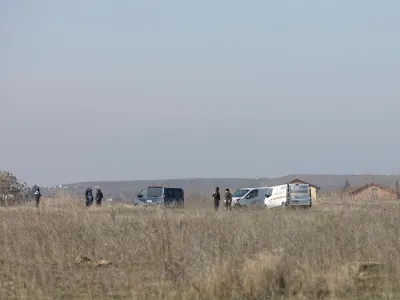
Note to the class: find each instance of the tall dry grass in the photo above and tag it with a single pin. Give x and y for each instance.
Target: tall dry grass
(198, 253)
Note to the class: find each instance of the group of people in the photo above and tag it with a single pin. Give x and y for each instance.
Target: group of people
(217, 198)
(89, 196)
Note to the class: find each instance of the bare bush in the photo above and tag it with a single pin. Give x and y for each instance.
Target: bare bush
(11, 190)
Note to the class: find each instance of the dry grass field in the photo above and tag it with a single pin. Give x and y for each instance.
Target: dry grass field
(338, 252)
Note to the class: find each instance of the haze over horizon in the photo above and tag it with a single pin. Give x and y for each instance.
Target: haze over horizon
(127, 90)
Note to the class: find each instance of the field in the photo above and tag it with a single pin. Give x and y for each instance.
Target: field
(337, 252)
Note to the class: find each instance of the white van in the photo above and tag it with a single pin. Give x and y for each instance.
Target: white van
(277, 196)
(250, 196)
(293, 194)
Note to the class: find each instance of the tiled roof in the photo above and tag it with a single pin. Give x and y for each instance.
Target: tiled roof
(361, 188)
(299, 180)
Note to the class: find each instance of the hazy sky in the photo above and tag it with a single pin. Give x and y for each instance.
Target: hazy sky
(109, 90)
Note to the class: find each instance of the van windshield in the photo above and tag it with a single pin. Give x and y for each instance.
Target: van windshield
(240, 193)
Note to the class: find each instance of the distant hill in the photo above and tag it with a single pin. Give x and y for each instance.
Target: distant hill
(125, 190)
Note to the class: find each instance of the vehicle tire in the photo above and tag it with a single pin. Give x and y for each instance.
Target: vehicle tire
(237, 206)
(174, 204)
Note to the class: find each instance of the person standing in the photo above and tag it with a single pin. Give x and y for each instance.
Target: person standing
(99, 196)
(217, 197)
(89, 196)
(37, 197)
(228, 200)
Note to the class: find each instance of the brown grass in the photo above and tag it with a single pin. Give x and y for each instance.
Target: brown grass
(336, 253)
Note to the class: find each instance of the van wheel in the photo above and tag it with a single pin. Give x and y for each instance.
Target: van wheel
(174, 204)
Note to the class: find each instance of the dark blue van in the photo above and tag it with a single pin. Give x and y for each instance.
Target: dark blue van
(156, 195)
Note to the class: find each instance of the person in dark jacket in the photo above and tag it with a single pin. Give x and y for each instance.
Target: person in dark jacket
(89, 196)
(37, 197)
(99, 196)
(228, 199)
(217, 197)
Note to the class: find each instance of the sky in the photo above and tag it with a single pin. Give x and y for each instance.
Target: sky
(124, 90)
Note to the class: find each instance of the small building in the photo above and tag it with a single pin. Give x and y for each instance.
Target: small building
(313, 187)
(373, 191)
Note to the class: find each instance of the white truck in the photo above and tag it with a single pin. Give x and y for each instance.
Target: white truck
(291, 194)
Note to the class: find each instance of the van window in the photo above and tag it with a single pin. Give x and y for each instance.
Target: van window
(154, 192)
(178, 194)
(270, 192)
(240, 193)
(173, 193)
(252, 194)
(143, 193)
